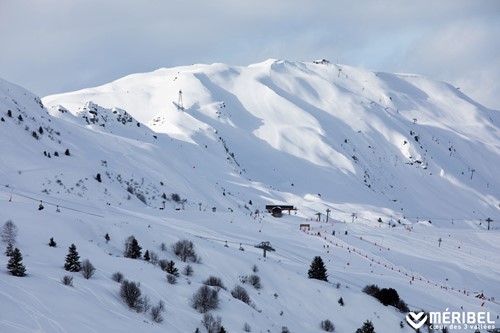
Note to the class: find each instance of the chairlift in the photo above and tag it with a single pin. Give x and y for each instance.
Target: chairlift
(40, 206)
(266, 246)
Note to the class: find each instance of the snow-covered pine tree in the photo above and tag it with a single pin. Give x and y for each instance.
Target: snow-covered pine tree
(73, 263)
(132, 248)
(15, 263)
(318, 269)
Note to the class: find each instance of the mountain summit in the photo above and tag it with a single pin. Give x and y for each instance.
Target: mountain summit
(318, 135)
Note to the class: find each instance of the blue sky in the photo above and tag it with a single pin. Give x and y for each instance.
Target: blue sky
(52, 46)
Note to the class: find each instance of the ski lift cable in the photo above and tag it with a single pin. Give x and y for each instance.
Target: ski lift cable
(16, 192)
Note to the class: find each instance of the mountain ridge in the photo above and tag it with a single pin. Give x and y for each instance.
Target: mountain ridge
(385, 199)
(304, 112)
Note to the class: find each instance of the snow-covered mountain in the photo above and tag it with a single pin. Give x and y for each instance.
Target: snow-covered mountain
(197, 152)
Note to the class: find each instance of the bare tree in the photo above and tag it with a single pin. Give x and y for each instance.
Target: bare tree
(9, 232)
(205, 299)
(240, 293)
(184, 249)
(215, 282)
(130, 292)
(87, 269)
(211, 324)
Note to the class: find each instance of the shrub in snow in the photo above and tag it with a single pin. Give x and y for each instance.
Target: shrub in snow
(285, 329)
(366, 328)
(341, 301)
(15, 264)
(9, 232)
(163, 264)
(72, 263)
(317, 269)
(156, 314)
(146, 304)
(117, 277)
(175, 197)
(130, 293)
(98, 177)
(327, 326)
(67, 280)
(215, 282)
(132, 248)
(153, 258)
(188, 270)
(255, 269)
(106, 237)
(386, 296)
(87, 269)
(211, 324)
(247, 328)
(172, 279)
(371, 289)
(240, 293)
(205, 299)
(184, 249)
(147, 256)
(67, 153)
(52, 243)
(254, 280)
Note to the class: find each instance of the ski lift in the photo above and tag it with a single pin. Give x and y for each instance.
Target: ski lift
(40, 206)
(266, 246)
(226, 245)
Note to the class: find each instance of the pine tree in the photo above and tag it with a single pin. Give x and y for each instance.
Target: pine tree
(318, 269)
(146, 256)
(171, 269)
(366, 328)
(132, 248)
(15, 265)
(106, 237)
(73, 263)
(222, 330)
(9, 250)
(52, 243)
(341, 301)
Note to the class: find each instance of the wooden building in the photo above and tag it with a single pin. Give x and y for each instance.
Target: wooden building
(277, 210)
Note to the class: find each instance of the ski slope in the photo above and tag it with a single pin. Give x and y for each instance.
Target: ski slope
(413, 153)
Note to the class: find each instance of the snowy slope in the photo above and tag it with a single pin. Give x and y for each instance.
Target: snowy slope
(411, 146)
(315, 136)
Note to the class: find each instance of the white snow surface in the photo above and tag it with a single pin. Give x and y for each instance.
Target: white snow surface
(411, 152)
